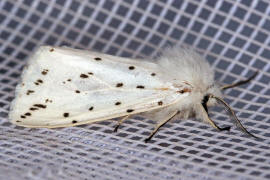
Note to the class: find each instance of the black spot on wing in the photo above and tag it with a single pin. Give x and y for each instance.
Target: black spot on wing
(44, 72)
(33, 109)
(90, 73)
(91, 108)
(69, 80)
(77, 91)
(48, 100)
(38, 82)
(74, 121)
(119, 85)
(117, 103)
(160, 103)
(40, 106)
(66, 114)
(131, 67)
(51, 50)
(130, 110)
(153, 74)
(27, 114)
(185, 90)
(23, 117)
(140, 87)
(83, 76)
(97, 58)
(29, 92)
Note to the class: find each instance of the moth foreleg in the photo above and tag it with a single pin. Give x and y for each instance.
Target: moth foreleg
(206, 118)
(214, 125)
(159, 125)
(120, 122)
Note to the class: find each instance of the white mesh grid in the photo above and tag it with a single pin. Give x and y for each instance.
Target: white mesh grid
(232, 35)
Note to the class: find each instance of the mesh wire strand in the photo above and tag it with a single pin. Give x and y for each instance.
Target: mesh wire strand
(232, 35)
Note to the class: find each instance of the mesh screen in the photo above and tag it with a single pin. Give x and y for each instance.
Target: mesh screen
(232, 35)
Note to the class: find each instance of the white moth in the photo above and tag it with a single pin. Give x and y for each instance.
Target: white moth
(66, 87)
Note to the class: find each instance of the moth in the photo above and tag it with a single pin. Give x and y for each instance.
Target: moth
(63, 87)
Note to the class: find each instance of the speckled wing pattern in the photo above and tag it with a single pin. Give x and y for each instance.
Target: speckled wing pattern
(63, 87)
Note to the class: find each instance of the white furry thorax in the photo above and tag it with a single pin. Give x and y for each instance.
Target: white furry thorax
(186, 66)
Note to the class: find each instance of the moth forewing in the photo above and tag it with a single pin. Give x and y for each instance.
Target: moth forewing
(43, 120)
(65, 87)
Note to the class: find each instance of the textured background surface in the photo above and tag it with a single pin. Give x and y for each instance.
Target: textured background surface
(232, 35)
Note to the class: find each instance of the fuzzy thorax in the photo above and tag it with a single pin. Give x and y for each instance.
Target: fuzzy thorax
(185, 66)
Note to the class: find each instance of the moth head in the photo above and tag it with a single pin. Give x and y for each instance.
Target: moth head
(213, 93)
(213, 96)
(211, 90)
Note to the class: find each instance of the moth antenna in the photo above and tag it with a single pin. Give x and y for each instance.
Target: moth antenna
(239, 83)
(229, 109)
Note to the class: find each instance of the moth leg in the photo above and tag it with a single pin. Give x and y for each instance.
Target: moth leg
(159, 125)
(240, 82)
(214, 125)
(211, 122)
(120, 122)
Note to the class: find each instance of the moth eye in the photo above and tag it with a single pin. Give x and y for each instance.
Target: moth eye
(205, 99)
